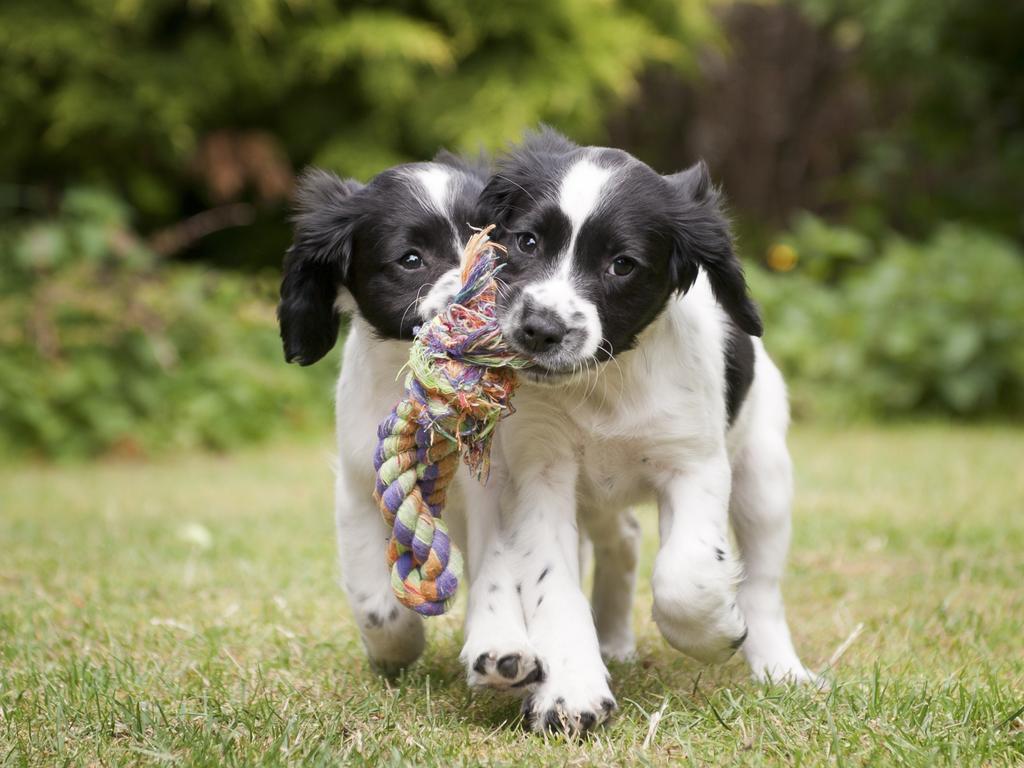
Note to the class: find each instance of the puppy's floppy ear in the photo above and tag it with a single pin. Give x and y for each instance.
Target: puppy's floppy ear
(316, 265)
(703, 239)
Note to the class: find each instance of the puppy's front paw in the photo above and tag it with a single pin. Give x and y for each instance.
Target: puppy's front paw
(710, 637)
(573, 699)
(571, 710)
(711, 643)
(695, 603)
(509, 668)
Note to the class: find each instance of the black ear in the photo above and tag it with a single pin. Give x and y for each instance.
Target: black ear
(703, 239)
(497, 200)
(316, 265)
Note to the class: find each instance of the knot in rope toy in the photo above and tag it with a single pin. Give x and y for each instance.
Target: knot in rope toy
(460, 384)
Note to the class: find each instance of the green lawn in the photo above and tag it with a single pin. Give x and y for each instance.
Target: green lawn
(186, 611)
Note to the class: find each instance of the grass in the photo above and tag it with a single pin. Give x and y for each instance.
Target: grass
(186, 612)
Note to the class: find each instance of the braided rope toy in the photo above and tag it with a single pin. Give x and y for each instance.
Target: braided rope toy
(460, 384)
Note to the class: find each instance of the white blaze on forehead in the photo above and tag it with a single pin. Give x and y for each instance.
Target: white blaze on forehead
(440, 186)
(578, 197)
(435, 181)
(581, 190)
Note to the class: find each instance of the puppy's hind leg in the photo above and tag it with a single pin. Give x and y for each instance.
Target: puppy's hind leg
(759, 509)
(392, 634)
(616, 546)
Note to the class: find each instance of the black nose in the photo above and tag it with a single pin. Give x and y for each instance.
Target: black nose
(540, 330)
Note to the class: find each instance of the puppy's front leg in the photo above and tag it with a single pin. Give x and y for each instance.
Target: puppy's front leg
(695, 573)
(497, 652)
(540, 508)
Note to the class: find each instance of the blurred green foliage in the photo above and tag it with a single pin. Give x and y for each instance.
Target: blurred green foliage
(105, 350)
(946, 82)
(123, 92)
(925, 328)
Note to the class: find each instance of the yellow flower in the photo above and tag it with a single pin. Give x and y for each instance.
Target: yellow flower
(782, 257)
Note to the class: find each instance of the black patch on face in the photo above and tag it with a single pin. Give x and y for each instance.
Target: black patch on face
(386, 292)
(547, 223)
(348, 235)
(739, 370)
(626, 224)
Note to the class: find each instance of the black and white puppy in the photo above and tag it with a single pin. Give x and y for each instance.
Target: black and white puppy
(649, 383)
(387, 253)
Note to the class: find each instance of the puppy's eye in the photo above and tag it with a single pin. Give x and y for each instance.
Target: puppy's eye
(411, 260)
(526, 242)
(621, 266)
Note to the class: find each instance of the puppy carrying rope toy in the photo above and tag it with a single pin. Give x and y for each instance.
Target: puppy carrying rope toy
(459, 385)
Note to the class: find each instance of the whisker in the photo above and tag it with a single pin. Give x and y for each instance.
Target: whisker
(524, 189)
(585, 378)
(595, 367)
(575, 384)
(590, 379)
(415, 301)
(618, 367)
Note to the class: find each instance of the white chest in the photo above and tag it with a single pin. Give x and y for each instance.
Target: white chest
(615, 472)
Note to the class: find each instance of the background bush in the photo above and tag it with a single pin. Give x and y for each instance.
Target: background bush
(916, 328)
(106, 350)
